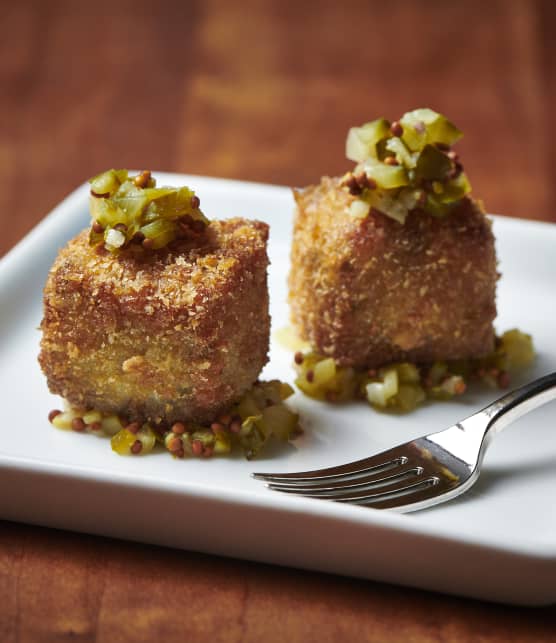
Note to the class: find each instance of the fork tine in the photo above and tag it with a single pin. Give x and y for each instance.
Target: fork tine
(425, 493)
(365, 496)
(401, 497)
(395, 497)
(377, 464)
(340, 487)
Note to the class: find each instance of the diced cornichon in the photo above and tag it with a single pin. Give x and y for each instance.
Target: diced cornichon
(454, 189)
(361, 141)
(126, 209)
(387, 177)
(422, 126)
(280, 421)
(378, 393)
(436, 207)
(108, 182)
(432, 165)
(263, 415)
(400, 151)
(160, 231)
(126, 442)
(516, 350)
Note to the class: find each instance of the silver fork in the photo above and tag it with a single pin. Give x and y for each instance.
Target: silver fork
(423, 472)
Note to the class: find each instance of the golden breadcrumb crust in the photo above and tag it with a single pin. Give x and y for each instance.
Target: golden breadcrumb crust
(372, 291)
(164, 336)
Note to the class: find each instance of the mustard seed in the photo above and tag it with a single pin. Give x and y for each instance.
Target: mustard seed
(54, 413)
(235, 426)
(351, 184)
(175, 445)
(178, 428)
(77, 424)
(142, 180)
(136, 447)
(361, 180)
(396, 128)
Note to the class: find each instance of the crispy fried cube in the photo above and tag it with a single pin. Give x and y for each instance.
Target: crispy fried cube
(164, 336)
(369, 291)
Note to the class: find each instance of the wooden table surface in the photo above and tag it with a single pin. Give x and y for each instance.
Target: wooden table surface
(263, 90)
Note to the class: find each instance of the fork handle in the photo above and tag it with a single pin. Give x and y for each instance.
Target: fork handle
(520, 401)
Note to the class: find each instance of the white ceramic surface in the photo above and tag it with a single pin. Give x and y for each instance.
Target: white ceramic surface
(497, 542)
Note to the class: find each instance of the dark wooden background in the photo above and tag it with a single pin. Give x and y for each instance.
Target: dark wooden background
(263, 90)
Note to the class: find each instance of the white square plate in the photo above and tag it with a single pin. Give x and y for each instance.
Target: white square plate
(497, 542)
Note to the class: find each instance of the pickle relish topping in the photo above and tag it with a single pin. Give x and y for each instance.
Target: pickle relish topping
(402, 387)
(131, 212)
(405, 165)
(259, 416)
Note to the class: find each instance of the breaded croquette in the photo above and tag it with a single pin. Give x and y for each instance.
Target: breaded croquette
(178, 333)
(371, 290)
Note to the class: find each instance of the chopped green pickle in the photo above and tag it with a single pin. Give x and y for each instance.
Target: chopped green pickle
(122, 441)
(132, 212)
(386, 177)
(397, 147)
(422, 126)
(264, 415)
(432, 165)
(411, 156)
(361, 142)
(260, 415)
(454, 189)
(126, 442)
(402, 387)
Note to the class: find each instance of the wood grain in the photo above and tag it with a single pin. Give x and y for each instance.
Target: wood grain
(266, 90)
(261, 90)
(57, 586)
